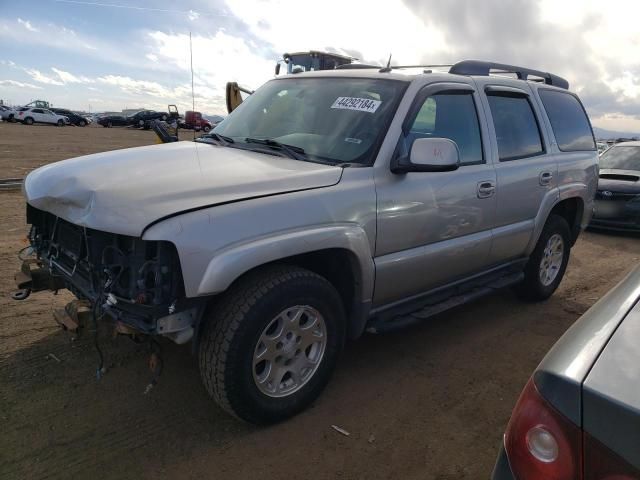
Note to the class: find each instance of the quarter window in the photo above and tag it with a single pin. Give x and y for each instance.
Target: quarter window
(449, 115)
(568, 120)
(517, 130)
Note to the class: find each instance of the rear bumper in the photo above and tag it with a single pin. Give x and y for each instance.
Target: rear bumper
(502, 469)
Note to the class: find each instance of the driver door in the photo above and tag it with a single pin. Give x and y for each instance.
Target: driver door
(435, 227)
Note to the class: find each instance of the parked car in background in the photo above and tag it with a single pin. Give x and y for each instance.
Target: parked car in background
(579, 415)
(195, 121)
(3, 108)
(9, 115)
(602, 147)
(143, 118)
(617, 205)
(74, 118)
(30, 116)
(109, 121)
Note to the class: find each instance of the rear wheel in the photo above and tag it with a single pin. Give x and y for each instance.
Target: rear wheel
(82, 123)
(548, 262)
(28, 121)
(271, 344)
(109, 124)
(206, 128)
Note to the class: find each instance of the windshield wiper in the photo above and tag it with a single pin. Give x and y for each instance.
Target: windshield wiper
(221, 139)
(294, 152)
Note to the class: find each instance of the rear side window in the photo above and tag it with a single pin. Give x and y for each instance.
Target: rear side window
(517, 130)
(568, 120)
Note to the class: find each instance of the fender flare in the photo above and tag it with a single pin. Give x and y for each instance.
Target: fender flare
(229, 264)
(549, 202)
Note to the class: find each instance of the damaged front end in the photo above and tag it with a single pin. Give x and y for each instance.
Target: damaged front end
(137, 283)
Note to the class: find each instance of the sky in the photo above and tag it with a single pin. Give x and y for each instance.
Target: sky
(107, 55)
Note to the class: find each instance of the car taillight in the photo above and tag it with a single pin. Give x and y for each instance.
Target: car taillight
(600, 463)
(540, 442)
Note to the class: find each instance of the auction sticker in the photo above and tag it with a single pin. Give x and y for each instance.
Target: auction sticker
(354, 103)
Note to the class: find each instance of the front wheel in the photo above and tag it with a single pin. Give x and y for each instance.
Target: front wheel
(270, 346)
(82, 123)
(206, 128)
(548, 262)
(28, 121)
(61, 123)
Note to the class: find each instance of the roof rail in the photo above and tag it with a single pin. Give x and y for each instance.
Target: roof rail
(358, 66)
(478, 67)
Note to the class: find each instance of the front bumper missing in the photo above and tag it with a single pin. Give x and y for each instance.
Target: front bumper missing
(179, 326)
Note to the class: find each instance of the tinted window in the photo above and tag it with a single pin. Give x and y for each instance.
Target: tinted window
(517, 131)
(37, 110)
(621, 157)
(568, 121)
(450, 115)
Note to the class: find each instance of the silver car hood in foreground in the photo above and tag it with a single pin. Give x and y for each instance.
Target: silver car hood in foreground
(123, 191)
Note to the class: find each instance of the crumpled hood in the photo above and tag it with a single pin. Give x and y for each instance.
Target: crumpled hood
(123, 191)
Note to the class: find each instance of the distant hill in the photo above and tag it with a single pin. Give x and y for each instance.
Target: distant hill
(602, 134)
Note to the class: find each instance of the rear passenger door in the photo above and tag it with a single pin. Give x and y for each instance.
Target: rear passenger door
(38, 115)
(526, 174)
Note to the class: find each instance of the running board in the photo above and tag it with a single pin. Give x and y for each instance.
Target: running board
(384, 324)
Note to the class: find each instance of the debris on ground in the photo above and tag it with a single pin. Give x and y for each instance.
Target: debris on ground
(340, 430)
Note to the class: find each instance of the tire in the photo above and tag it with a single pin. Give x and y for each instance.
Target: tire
(82, 123)
(60, 123)
(538, 286)
(12, 118)
(254, 310)
(163, 118)
(28, 121)
(109, 124)
(206, 129)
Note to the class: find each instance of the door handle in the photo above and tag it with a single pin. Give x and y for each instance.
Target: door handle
(486, 189)
(545, 178)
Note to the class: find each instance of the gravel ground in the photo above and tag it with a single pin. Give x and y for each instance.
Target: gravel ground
(429, 402)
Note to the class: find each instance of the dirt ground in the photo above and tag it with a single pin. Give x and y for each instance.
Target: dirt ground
(430, 402)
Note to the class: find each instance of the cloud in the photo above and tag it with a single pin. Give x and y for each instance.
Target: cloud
(571, 39)
(27, 24)
(67, 77)
(152, 56)
(193, 15)
(40, 77)
(373, 30)
(15, 83)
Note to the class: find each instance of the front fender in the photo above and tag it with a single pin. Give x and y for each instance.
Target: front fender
(229, 264)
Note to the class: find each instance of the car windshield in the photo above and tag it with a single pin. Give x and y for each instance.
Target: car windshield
(336, 120)
(621, 158)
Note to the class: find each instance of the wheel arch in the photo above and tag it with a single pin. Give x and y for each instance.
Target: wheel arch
(570, 207)
(339, 254)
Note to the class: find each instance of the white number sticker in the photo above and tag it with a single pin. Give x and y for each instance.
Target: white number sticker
(359, 104)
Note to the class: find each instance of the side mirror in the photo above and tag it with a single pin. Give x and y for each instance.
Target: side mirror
(277, 68)
(429, 155)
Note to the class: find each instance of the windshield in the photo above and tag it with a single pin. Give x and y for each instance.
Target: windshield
(337, 120)
(621, 158)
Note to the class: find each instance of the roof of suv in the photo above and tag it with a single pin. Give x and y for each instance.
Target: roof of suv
(467, 68)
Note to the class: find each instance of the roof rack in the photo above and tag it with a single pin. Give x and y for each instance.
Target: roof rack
(478, 67)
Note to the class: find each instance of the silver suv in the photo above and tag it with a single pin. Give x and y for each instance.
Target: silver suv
(327, 204)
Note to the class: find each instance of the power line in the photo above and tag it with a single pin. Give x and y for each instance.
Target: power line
(135, 7)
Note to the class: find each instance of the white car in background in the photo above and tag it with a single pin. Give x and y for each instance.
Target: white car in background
(41, 115)
(10, 114)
